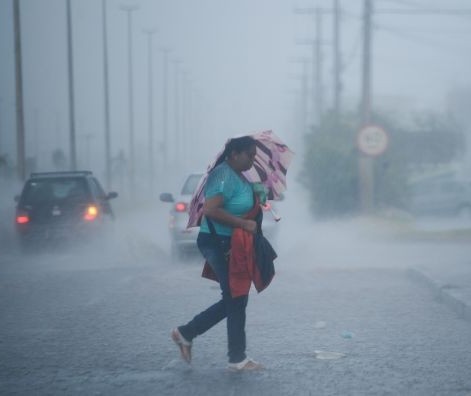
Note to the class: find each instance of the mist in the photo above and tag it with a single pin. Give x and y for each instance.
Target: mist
(370, 257)
(232, 69)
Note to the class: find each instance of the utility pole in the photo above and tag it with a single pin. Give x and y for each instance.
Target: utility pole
(108, 176)
(366, 68)
(177, 113)
(150, 33)
(1, 128)
(70, 62)
(365, 163)
(304, 93)
(187, 136)
(165, 145)
(337, 59)
(318, 61)
(87, 137)
(304, 96)
(36, 134)
(317, 86)
(132, 185)
(189, 130)
(20, 129)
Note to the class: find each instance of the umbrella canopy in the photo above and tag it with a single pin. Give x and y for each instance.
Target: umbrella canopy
(270, 166)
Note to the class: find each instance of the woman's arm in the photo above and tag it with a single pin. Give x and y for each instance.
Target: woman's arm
(213, 209)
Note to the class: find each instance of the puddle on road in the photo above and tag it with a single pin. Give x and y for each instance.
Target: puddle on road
(320, 324)
(327, 355)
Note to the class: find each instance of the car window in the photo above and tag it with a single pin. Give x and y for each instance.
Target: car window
(190, 184)
(96, 188)
(44, 190)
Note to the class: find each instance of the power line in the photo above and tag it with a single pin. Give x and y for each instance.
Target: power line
(411, 36)
(404, 2)
(464, 12)
(349, 58)
(424, 11)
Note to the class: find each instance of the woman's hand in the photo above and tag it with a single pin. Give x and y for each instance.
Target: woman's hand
(249, 226)
(213, 208)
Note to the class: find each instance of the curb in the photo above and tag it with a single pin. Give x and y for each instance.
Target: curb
(441, 293)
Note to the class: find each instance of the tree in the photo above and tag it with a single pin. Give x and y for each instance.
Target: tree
(330, 168)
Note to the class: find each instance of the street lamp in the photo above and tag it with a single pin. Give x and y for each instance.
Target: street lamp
(106, 100)
(165, 145)
(70, 64)
(177, 111)
(129, 10)
(150, 33)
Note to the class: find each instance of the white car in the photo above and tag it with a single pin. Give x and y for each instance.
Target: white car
(183, 239)
(441, 196)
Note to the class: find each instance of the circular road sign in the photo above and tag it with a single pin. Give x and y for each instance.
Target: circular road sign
(372, 140)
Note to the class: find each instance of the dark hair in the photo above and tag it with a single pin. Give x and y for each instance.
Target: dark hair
(238, 145)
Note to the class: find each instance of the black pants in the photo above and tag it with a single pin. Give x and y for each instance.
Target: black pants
(215, 250)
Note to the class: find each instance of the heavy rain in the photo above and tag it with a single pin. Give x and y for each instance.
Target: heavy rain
(111, 112)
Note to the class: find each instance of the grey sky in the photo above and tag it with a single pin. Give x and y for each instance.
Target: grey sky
(238, 56)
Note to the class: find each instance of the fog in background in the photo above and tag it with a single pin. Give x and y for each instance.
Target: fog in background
(96, 314)
(233, 68)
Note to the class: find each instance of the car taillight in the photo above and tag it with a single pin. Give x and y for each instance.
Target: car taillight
(22, 219)
(180, 207)
(91, 213)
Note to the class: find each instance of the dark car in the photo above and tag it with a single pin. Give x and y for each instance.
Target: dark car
(61, 206)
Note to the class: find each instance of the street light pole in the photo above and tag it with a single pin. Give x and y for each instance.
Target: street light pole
(1, 128)
(70, 61)
(337, 59)
(129, 10)
(20, 130)
(319, 94)
(365, 163)
(304, 91)
(177, 113)
(150, 33)
(165, 144)
(106, 100)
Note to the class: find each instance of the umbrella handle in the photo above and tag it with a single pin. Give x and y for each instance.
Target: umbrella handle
(275, 215)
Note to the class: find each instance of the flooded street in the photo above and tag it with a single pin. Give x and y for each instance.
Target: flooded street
(129, 127)
(88, 321)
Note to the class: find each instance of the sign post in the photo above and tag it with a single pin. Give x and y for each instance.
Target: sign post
(372, 141)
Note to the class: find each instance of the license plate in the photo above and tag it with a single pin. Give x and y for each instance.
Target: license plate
(56, 211)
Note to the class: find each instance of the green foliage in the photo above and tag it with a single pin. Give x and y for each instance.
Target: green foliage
(330, 168)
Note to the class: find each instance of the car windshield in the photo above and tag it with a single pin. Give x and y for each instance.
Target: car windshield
(45, 190)
(190, 184)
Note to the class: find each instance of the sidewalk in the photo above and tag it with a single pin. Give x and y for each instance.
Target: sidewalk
(450, 283)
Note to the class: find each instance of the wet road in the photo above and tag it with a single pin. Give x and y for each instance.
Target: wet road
(98, 321)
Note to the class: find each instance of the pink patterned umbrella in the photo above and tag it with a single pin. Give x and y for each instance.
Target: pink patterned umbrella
(270, 167)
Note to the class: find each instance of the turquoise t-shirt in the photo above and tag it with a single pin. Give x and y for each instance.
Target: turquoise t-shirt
(237, 194)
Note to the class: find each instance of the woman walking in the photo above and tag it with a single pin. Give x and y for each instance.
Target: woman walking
(229, 204)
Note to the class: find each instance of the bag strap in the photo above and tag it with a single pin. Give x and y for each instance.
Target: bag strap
(211, 226)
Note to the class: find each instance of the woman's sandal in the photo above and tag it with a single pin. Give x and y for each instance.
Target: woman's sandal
(183, 344)
(245, 365)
